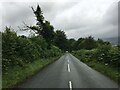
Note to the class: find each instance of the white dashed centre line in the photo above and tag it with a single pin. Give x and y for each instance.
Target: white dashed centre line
(68, 68)
(70, 85)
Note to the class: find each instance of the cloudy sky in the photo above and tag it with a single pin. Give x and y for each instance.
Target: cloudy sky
(78, 18)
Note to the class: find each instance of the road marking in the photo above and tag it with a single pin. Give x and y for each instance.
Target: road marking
(68, 68)
(70, 85)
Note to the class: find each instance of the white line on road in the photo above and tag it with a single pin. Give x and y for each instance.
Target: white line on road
(70, 85)
(68, 68)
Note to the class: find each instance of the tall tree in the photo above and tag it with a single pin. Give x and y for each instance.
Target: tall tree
(43, 27)
(39, 15)
(48, 32)
(61, 40)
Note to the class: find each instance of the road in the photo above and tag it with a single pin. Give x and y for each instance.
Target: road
(68, 72)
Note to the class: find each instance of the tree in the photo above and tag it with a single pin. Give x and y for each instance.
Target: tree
(71, 43)
(39, 15)
(60, 40)
(40, 44)
(20, 50)
(43, 27)
(48, 32)
(89, 43)
(9, 39)
(77, 45)
(101, 42)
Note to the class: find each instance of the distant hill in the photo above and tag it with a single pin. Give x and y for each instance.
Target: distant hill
(113, 40)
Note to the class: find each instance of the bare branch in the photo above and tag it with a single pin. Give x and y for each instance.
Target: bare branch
(33, 9)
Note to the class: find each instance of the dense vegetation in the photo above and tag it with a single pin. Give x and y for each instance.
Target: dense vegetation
(98, 54)
(20, 50)
(104, 58)
(23, 52)
(20, 53)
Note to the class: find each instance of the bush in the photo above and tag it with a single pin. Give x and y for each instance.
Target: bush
(106, 54)
(21, 50)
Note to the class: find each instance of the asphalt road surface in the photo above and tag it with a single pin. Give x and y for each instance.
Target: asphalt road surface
(68, 72)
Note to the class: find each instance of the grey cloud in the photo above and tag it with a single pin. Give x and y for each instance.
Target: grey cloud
(15, 14)
(111, 16)
(19, 12)
(52, 9)
(105, 27)
(76, 18)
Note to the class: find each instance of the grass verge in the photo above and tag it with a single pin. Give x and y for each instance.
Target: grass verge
(19, 74)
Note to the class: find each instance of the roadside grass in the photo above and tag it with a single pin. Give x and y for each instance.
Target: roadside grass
(18, 74)
(112, 73)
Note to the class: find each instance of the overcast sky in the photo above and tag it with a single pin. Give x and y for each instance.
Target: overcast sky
(78, 18)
